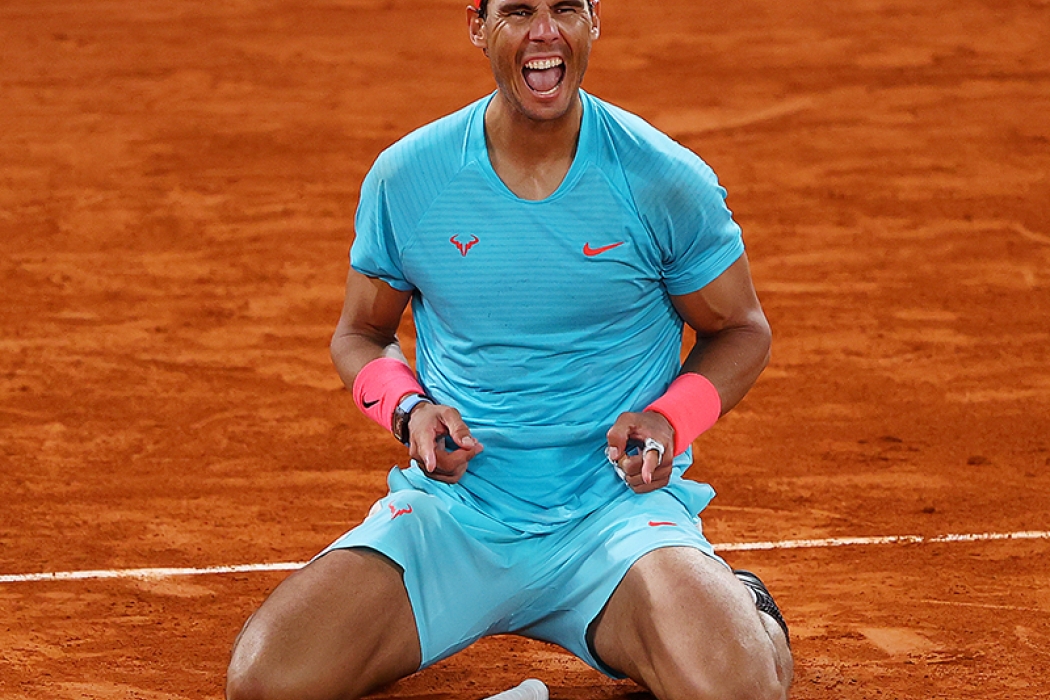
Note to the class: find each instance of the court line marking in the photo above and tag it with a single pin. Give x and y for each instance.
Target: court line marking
(889, 539)
(986, 606)
(157, 573)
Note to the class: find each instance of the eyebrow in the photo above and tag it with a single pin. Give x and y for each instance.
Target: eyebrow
(515, 6)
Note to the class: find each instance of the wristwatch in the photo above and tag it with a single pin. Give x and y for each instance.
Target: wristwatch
(399, 424)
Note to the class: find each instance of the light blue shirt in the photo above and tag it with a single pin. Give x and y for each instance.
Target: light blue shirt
(542, 321)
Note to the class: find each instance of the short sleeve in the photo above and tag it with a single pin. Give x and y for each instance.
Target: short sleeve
(375, 251)
(696, 231)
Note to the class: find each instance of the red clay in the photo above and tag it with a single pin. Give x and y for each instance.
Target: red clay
(177, 186)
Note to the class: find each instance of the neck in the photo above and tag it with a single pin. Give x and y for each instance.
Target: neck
(531, 156)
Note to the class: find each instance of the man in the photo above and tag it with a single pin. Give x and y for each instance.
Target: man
(551, 246)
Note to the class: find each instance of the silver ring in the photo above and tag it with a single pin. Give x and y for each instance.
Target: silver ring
(615, 465)
(654, 446)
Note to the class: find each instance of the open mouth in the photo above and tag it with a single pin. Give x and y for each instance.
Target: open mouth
(544, 75)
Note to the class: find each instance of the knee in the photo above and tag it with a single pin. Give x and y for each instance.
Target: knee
(737, 671)
(742, 684)
(318, 638)
(257, 682)
(243, 684)
(256, 674)
(760, 680)
(249, 679)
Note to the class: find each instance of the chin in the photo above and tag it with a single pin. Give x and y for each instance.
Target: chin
(549, 109)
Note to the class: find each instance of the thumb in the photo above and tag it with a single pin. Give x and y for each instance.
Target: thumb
(459, 432)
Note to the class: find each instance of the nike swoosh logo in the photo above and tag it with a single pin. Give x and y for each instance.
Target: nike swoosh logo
(369, 404)
(660, 523)
(591, 252)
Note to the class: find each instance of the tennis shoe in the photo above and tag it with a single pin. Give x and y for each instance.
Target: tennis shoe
(763, 600)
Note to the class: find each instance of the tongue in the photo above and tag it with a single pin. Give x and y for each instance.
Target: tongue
(544, 80)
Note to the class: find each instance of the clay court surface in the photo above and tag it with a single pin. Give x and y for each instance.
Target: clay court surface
(177, 185)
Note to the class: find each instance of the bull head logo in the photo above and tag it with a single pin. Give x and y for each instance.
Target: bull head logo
(462, 247)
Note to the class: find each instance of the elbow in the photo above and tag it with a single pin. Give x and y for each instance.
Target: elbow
(769, 347)
(333, 347)
(764, 334)
(336, 347)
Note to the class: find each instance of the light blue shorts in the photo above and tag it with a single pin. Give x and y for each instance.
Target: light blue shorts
(469, 576)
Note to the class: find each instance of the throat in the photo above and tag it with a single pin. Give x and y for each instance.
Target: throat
(534, 181)
(531, 157)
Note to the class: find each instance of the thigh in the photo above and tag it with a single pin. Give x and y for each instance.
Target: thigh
(681, 624)
(338, 628)
(458, 565)
(585, 563)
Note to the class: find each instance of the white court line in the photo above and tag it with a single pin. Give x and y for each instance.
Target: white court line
(729, 547)
(890, 539)
(986, 606)
(149, 573)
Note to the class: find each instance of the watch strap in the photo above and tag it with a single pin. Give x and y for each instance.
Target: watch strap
(399, 424)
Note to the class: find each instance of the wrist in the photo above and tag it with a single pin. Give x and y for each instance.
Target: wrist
(691, 405)
(403, 414)
(380, 387)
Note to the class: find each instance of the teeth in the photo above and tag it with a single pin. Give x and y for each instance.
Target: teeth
(543, 63)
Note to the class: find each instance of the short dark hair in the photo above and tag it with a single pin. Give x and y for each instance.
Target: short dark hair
(483, 7)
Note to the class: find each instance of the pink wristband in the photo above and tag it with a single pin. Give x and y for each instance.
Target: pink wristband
(691, 405)
(379, 386)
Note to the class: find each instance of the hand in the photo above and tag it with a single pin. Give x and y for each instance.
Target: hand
(432, 430)
(648, 470)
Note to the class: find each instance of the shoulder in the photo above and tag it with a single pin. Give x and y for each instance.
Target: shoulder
(654, 167)
(431, 152)
(647, 154)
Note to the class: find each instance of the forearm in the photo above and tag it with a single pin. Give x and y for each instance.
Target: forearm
(367, 328)
(352, 351)
(367, 332)
(732, 359)
(732, 333)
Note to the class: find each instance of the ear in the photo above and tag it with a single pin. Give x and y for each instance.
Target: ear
(476, 28)
(596, 20)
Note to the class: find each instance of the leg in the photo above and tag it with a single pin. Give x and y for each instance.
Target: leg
(339, 628)
(682, 625)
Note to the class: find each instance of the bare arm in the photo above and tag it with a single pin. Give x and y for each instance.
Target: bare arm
(732, 347)
(367, 327)
(733, 336)
(367, 330)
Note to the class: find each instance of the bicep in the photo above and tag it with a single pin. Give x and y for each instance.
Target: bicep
(728, 302)
(372, 309)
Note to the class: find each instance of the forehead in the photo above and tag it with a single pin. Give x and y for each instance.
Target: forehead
(504, 4)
